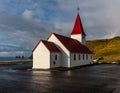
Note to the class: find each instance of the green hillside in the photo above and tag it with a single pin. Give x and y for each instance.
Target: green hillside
(109, 49)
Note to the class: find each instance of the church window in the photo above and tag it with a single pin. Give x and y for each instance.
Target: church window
(54, 62)
(55, 57)
(91, 56)
(86, 56)
(79, 56)
(74, 57)
(83, 56)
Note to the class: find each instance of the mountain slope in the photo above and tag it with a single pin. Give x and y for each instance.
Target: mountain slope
(109, 49)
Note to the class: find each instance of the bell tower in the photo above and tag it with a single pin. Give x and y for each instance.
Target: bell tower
(78, 31)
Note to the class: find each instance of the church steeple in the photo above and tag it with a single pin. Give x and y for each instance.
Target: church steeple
(78, 28)
(78, 31)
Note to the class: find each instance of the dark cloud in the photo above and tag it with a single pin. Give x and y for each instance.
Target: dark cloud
(22, 32)
(24, 22)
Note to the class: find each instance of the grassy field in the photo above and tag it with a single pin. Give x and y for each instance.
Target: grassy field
(109, 49)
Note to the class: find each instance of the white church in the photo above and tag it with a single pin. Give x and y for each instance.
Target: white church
(63, 51)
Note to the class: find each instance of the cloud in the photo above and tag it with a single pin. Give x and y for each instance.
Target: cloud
(14, 54)
(19, 34)
(27, 14)
(13, 50)
(100, 17)
(24, 22)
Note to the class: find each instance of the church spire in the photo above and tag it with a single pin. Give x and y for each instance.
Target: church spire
(78, 31)
(78, 28)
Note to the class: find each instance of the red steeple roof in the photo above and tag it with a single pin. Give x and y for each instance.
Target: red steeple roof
(78, 28)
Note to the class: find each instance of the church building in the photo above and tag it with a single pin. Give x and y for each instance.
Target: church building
(63, 51)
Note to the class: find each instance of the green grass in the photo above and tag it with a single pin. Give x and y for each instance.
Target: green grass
(107, 48)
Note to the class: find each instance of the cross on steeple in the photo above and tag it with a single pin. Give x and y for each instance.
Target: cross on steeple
(78, 9)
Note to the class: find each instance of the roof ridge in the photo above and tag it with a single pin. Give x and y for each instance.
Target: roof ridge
(50, 46)
(46, 41)
(72, 45)
(67, 37)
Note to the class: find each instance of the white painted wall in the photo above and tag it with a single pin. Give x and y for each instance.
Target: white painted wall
(65, 56)
(41, 57)
(81, 61)
(81, 38)
(53, 61)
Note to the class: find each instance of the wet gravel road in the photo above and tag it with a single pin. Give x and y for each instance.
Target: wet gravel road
(92, 79)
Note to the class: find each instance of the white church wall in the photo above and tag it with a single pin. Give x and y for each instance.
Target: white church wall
(65, 62)
(55, 59)
(41, 57)
(80, 38)
(78, 59)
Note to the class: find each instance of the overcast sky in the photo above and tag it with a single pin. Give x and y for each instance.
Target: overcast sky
(24, 22)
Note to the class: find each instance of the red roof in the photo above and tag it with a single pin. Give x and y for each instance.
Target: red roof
(78, 28)
(72, 45)
(49, 45)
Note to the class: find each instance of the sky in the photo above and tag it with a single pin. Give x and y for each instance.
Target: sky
(24, 22)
